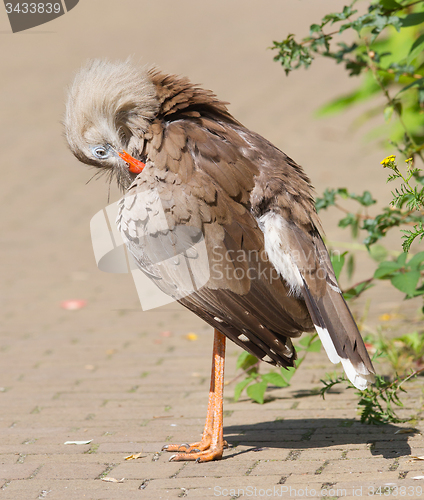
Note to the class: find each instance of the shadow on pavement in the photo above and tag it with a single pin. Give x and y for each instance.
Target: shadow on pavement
(320, 433)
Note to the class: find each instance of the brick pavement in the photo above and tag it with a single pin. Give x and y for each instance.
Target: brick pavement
(105, 373)
(130, 391)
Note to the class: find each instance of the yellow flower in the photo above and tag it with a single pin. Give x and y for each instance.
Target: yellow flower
(388, 160)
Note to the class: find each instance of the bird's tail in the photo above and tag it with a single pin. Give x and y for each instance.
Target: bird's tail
(340, 336)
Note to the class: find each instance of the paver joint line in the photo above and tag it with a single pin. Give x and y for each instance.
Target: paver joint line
(6, 484)
(37, 470)
(394, 465)
(323, 466)
(109, 467)
(294, 455)
(43, 494)
(250, 469)
(178, 471)
(144, 484)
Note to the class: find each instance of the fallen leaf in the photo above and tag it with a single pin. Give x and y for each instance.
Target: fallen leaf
(113, 480)
(133, 457)
(191, 336)
(414, 459)
(408, 430)
(418, 477)
(78, 442)
(73, 305)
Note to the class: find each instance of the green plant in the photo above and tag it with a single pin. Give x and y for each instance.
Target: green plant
(401, 353)
(387, 55)
(376, 403)
(256, 383)
(387, 52)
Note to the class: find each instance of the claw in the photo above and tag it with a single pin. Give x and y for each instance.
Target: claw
(171, 458)
(186, 445)
(164, 447)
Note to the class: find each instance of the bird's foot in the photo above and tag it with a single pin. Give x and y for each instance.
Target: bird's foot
(202, 451)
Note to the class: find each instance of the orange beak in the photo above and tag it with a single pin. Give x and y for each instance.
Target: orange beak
(135, 166)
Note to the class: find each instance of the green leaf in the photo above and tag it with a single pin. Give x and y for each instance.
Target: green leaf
(314, 28)
(350, 266)
(337, 261)
(419, 82)
(378, 252)
(287, 373)
(355, 291)
(315, 346)
(365, 199)
(238, 389)
(339, 16)
(416, 261)
(257, 391)
(412, 19)
(388, 112)
(390, 4)
(349, 220)
(386, 268)
(341, 103)
(417, 48)
(402, 259)
(245, 361)
(406, 282)
(304, 341)
(275, 379)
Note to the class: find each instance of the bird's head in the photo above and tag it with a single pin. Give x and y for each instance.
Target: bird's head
(109, 108)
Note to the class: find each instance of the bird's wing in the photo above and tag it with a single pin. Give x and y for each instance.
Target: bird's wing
(192, 202)
(303, 259)
(268, 273)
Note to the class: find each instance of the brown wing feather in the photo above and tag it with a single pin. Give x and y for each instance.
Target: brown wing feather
(252, 303)
(223, 178)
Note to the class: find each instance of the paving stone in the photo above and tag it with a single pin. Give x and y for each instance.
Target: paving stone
(286, 467)
(341, 466)
(18, 471)
(71, 470)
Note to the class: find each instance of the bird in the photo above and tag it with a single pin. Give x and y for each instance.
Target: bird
(268, 277)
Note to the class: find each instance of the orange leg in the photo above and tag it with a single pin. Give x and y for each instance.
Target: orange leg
(212, 443)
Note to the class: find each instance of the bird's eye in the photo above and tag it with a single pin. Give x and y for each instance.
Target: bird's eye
(100, 152)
